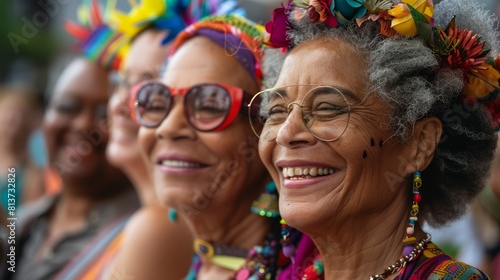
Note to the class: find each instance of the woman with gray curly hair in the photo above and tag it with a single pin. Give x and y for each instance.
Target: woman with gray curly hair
(382, 116)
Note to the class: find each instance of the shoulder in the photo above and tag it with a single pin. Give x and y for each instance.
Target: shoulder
(437, 265)
(453, 269)
(31, 211)
(152, 222)
(153, 246)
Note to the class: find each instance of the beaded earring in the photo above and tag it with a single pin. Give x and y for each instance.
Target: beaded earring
(172, 215)
(409, 240)
(267, 203)
(286, 242)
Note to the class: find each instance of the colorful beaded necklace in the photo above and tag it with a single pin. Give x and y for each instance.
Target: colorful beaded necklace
(262, 261)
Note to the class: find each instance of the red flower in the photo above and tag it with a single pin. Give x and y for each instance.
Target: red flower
(319, 10)
(278, 26)
(493, 107)
(468, 53)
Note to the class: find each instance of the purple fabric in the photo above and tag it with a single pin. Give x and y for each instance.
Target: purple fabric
(496, 267)
(305, 256)
(233, 46)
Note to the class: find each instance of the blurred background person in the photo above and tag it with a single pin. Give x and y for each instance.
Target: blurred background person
(59, 232)
(74, 234)
(154, 232)
(486, 217)
(18, 119)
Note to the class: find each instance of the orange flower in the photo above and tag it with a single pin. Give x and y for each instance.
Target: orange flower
(482, 82)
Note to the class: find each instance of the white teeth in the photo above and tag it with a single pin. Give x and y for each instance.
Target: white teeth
(313, 171)
(177, 163)
(296, 173)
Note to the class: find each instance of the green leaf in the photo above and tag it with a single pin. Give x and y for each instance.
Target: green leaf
(376, 6)
(417, 16)
(426, 32)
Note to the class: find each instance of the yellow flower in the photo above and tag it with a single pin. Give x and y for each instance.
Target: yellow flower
(138, 17)
(403, 21)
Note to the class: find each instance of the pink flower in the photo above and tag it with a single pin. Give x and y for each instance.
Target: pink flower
(319, 10)
(278, 26)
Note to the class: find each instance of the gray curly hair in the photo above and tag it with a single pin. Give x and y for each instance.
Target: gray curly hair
(408, 76)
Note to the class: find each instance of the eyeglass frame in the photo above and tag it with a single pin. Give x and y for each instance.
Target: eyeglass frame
(236, 95)
(288, 106)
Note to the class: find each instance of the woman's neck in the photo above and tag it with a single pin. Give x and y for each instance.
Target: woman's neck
(69, 215)
(139, 177)
(239, 229)
(364, 246)
(72, 206)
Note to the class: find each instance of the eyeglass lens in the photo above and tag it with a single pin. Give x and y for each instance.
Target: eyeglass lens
(325, 111)
(206, 106)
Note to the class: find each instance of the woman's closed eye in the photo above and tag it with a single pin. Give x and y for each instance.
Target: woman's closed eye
(67, 107)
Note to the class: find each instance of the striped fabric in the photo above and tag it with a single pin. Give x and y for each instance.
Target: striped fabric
(97, 257)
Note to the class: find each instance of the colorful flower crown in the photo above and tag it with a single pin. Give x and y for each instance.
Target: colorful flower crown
(97, 41)
(458, 48)
(171, 15)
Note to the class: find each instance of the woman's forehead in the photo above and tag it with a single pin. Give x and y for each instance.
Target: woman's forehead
(325, 62)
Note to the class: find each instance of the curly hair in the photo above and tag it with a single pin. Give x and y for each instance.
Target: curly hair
(409, 78)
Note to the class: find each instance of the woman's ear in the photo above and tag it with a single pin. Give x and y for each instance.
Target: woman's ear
(424, 141)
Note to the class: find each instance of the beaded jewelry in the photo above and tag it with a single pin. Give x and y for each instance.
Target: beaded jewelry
(286, 242)
(262, 262)
(267, 203)
(413, 255)
(315, 270)
(409, 240)
(172, 215)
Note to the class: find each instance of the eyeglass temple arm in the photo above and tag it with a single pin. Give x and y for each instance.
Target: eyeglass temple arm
(254, 110)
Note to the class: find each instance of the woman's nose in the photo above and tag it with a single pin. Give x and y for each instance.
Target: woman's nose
(293, 132)
(175, 125)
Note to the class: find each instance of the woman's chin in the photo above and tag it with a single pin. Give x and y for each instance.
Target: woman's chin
(301, 216)
(120, 155)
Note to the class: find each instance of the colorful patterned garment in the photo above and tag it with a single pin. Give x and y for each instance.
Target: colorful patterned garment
(433, 264)
(95, 261)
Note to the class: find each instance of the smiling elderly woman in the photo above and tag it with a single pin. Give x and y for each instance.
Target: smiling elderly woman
(371, 129)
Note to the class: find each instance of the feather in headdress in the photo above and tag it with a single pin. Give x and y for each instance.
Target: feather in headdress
(96, 40)
(171, 15)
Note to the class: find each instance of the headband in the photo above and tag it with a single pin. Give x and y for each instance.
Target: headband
(240, 38)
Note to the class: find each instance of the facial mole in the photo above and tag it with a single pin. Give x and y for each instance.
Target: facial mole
(372, 142)
(364, 154)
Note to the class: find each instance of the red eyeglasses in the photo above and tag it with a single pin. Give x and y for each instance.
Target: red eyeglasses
(207, 107)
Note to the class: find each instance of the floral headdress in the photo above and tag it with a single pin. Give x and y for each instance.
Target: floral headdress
(171, 15)
(241, 37)
(458, 48)
(96, 40)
